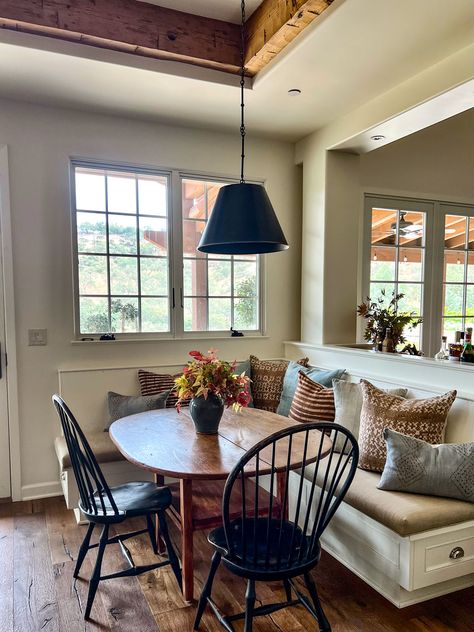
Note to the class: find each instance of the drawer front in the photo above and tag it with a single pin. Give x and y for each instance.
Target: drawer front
(443, 557)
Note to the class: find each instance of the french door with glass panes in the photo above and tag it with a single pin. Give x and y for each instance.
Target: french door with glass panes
(398, 237)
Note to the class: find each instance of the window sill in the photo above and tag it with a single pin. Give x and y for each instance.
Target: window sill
(167, 339)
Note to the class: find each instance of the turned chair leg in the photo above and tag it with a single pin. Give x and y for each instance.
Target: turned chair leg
(173, 558)
(249, 605)
(287, 585)
(207, 589)
(324, 625)
(95, 579)
(83, 549)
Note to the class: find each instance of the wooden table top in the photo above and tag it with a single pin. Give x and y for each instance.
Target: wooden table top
(165, 442)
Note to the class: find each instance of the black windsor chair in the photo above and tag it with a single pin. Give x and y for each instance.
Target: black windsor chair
(281, 548)
(106, 506)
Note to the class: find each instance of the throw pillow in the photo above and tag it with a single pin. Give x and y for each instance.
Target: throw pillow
(348, 402)
(290, 383)
(312, 402)
(267, 381)
(125, 405)
(153, 383)
(418, 467)
(421, 418)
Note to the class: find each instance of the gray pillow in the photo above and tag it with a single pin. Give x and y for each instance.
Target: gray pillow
(421, 468)
(348, 403)
(290, 382)
(125, 405)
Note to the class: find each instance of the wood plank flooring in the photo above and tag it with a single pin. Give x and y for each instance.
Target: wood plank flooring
(38, 546)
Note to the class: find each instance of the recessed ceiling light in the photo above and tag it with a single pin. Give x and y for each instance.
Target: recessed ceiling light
(294, 92)
(377, 137)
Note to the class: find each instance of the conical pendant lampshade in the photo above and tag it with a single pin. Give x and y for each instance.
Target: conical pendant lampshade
(243, 222)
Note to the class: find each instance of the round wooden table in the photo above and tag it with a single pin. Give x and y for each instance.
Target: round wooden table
(166, 443)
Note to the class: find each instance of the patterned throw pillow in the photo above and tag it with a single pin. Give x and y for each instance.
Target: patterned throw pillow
(418, 467)
(124, 405)
(348, 402)
(154, 383)
(424, 419)
(267, 381)
(312, 402)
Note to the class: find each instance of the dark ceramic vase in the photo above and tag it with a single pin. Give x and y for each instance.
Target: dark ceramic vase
(206, 413)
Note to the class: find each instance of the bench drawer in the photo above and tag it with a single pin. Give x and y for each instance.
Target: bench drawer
(443, 556)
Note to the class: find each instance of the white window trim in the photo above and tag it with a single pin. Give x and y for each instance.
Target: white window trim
(175, 238)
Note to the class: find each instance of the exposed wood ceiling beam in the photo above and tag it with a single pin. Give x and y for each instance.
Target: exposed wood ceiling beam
(153, 31)
(276, 23)
(129, 26)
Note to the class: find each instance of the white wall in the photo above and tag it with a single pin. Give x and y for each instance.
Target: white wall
(435, 163)
(325, 310)
(40, 141)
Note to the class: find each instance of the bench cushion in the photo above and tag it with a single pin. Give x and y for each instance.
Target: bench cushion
(101, 444)
(402, 512)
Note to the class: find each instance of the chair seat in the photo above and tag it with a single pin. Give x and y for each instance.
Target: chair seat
(258, 555)
(138, 498)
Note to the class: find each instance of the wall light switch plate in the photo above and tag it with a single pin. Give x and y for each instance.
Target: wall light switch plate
(37, 337)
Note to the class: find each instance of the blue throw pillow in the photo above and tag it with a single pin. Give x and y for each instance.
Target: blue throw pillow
(290, 383)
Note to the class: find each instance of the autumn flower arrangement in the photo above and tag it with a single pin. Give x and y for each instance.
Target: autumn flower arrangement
(206, 374)
(381, 316)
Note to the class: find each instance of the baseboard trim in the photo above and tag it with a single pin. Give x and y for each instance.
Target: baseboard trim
(41, 490)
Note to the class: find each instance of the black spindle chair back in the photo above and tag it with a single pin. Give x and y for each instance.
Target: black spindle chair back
(96, 498)
(278, 534)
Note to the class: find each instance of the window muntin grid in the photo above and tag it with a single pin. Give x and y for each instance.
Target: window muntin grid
(397, 259)
(458, 274)
(219, 291)
(122, 246)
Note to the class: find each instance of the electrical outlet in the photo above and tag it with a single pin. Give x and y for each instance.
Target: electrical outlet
(37, 337)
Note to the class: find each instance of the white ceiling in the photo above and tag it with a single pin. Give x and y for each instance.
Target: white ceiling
(227, 10)
(357, 51)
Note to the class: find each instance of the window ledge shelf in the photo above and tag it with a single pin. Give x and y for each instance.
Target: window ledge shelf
(413, 371)
(170, 339)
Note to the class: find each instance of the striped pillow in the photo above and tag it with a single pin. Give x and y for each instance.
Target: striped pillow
(154, 383)
(312, 402)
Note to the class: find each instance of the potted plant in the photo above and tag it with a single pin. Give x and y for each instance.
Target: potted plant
(211, 384)
(381, 317)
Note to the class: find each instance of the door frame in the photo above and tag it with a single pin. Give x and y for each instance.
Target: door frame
(10, 325)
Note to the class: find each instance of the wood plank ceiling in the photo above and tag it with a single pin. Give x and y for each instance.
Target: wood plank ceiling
(149, 30)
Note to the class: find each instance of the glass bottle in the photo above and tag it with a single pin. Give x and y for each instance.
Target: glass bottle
(443, 353)
(467, 354)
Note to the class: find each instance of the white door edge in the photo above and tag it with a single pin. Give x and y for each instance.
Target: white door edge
(10, 325)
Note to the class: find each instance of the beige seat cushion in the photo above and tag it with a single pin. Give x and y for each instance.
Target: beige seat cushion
(402, 512)
(101, 444)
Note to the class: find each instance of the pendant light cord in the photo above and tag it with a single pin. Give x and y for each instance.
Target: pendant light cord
(242, 86)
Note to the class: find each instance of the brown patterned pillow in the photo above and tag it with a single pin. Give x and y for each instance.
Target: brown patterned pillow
(267, 381)
(153, 383)
(423, 419)
(312, 401)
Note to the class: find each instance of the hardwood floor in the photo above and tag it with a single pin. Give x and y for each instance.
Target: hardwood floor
(38, 545)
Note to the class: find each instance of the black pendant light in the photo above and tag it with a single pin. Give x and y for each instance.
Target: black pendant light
(243, 220)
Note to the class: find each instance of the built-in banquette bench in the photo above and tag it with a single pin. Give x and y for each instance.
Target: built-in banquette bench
(406, 546)
(398, 543)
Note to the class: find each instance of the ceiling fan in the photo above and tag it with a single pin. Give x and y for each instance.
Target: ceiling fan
(405, 226)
